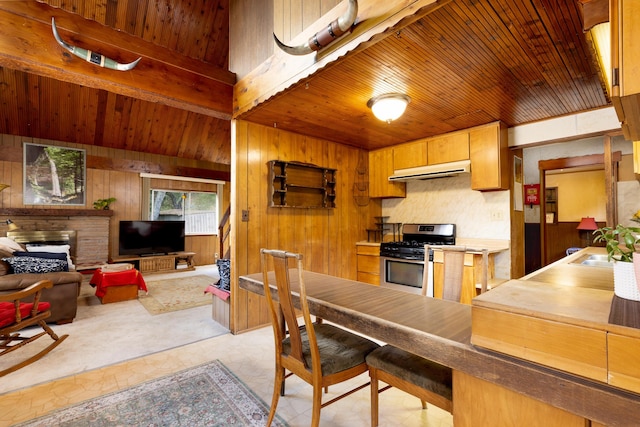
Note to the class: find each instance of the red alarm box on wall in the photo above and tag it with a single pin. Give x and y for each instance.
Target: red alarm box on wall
(532, 194)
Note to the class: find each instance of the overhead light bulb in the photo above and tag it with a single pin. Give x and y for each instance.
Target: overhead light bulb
(389, 106)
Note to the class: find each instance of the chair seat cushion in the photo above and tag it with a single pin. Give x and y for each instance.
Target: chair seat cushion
(339, 349)
(8, 312)
(417, 370)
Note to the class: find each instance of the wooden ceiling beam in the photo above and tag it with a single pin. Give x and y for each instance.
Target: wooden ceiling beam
(27, 44)
(282, 70)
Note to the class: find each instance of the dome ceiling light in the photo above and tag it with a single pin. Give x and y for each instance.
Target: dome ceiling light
(389, 106)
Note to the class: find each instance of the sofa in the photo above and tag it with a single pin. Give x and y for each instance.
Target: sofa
(63, 296)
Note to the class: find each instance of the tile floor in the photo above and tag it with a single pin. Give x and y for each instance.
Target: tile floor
(250, 357)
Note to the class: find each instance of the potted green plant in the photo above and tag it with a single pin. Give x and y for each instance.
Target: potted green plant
(103, 203)
(621, 243)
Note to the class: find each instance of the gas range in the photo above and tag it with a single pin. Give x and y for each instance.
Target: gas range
(415, 236)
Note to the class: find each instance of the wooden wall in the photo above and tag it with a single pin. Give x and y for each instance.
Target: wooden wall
(102, 183)
(326, 237)
(291, 17)
(564, 235)
(285, 18)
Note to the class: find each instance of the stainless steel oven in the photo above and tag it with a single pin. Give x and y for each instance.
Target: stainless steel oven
(402, 263)
(405, 275)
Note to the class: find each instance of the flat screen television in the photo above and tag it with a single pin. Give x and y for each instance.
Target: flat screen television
(142, 238)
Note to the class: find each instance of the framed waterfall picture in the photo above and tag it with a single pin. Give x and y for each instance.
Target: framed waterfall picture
(54, 175)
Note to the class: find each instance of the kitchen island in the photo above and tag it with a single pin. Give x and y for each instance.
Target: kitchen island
(490, 388)
(559, 317)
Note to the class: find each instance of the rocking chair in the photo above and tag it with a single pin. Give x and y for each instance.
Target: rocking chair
(15, 315)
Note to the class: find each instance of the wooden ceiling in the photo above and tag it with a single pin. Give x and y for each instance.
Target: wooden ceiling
(470, 62)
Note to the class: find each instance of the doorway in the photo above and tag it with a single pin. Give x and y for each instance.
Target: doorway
(557, 236)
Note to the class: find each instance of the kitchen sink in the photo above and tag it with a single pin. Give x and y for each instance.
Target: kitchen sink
(595, 260)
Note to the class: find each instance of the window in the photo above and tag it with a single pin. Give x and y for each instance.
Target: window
(199, 210)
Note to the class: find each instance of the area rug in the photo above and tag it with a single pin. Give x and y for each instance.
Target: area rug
(176, 294)
(207, 395)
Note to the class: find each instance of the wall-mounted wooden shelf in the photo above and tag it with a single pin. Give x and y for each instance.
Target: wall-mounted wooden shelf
(301, 185)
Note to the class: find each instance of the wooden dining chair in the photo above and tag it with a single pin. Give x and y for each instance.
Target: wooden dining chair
(319, 353)
(16, 314)
(427, 380)
(487, 280)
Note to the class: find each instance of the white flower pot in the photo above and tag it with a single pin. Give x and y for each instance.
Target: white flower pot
(624, 280)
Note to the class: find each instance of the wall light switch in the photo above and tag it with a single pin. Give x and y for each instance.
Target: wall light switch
(245, 216)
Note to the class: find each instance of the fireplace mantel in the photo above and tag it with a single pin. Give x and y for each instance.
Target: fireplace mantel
(55, 212)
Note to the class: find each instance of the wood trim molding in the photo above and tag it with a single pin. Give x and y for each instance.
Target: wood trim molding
(54, 212)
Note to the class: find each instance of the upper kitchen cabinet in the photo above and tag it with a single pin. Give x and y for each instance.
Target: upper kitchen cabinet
(410, 155)
(488, 152)
(451, 147)
(380, 168)
(625, 62)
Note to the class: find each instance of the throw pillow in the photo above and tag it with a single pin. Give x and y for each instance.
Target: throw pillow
(10, 245)
(45, 255)
(26, 264)
(53, 248)
(50, 255)
(224, 269)
(5, 268)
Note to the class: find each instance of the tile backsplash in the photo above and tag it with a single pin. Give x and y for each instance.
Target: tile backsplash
(451, 200)
(478, 215)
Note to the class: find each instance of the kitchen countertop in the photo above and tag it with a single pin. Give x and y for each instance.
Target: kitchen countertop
(564, 291)
(473, 245)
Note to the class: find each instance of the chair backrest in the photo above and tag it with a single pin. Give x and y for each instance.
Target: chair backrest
(453, 268)
(284, 318)
(484, 277)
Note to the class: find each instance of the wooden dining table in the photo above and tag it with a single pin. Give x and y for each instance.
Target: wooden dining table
(440, 330)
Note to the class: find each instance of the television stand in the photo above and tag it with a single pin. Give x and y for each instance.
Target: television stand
(165, 263)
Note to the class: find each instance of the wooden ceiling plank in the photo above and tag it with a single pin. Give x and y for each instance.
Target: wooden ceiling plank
(217, 44)
(9, 100)
(32, 92)
(150, 22)
(492, 42)
(144, 132)
(135, 134)
(185, 20)
(580, 67)
(553, 101)
(135, 17)
(199, 43)
(553, 72)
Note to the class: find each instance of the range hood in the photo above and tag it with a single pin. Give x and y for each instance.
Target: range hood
(432, 171)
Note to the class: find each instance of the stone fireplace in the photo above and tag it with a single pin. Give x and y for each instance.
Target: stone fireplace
(87, 231)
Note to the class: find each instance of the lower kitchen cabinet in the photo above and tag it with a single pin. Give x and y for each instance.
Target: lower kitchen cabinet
(368, 263)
